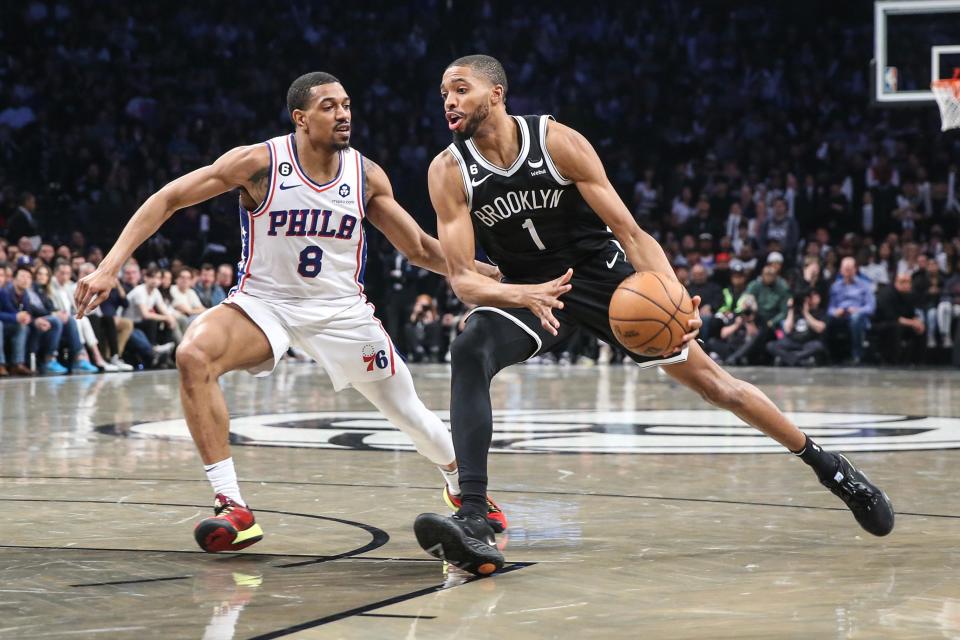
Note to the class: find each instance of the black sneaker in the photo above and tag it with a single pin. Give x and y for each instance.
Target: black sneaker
(466, 542)
(870, 506)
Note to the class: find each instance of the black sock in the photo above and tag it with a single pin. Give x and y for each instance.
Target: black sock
(823, 462)
(473, 505)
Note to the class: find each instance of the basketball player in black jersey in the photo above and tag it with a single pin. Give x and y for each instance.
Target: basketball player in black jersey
(535, 195)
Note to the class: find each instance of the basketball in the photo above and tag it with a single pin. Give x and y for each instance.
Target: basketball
(649, 313)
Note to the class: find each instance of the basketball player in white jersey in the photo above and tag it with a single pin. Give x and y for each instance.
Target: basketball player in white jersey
(303, 198)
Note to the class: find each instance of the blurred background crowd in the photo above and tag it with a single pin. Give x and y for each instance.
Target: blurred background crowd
(816, 227)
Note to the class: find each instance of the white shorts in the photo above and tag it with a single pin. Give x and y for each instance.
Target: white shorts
(347, 341)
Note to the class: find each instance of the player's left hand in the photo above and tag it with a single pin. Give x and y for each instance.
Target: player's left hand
(694, 325)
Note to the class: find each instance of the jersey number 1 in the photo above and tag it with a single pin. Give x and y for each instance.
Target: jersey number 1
(311, 259)
(528, 225)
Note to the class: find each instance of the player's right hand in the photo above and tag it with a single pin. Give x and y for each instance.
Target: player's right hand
(92, 290)
(542, 299)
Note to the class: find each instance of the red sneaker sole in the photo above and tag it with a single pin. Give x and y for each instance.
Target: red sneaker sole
(218, 535)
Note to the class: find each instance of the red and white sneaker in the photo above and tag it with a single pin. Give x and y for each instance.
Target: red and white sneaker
(498, 520)
(231, 528)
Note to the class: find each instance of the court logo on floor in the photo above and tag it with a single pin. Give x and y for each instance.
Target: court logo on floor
(533, 431)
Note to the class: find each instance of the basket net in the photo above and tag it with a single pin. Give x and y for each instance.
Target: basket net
(947, 93)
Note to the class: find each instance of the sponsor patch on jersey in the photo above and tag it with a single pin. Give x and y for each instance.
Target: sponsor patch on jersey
(344, 190)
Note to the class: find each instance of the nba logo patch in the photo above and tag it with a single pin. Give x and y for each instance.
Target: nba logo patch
(344, 190)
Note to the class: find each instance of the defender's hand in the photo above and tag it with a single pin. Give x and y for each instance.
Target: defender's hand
(92, 290)
(542, 299)
(693, 325)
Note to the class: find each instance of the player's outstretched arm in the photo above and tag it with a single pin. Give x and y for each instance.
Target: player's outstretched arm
(242, 166)
(459, 244)
(576, 159)
(403, 232)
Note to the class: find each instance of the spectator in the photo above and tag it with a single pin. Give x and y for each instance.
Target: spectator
(424, 330)
(113, 330)
(44, 330)
(131, 276)
(711, 295)
(225, 277)
(927, 288)
(731, 301)
(703, 222)
(810, 278)
(738, 341)
(772, 295)
(801, 343)
(149, 313)
(15, 330)
(61, 290)
(910, 262)
(46, 254)
(23, 223)
(775, 260)
(899, 323)
(852, 304)
(57, 307)
(210, 293)
(745, 259)
(949, 309)
(683, 208)
(184, 300)
(166, 283)
(877, 267)
(782, 228)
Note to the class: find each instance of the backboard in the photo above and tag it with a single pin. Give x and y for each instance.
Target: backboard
(915, 43)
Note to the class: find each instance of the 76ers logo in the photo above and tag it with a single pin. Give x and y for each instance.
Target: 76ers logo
(372, 357)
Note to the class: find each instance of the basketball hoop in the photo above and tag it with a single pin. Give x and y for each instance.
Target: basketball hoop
(947, 93)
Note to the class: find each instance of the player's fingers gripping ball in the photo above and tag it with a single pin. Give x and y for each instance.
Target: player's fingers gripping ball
(649, 313)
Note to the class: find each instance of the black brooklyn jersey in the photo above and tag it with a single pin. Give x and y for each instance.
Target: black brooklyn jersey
(530, 220)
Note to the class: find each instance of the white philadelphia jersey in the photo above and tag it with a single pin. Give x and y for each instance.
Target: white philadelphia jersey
(305, 240)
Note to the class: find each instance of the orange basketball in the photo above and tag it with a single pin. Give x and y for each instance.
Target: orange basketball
(649, 313)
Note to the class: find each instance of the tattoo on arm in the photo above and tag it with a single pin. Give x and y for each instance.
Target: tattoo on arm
(368, 167)
(260, 178)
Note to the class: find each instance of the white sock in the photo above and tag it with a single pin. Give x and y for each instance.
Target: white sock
(453, 480)
(223, 479)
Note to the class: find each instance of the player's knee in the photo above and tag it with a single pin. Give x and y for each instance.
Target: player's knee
(725, 392)
(194, 363)
(470, 349)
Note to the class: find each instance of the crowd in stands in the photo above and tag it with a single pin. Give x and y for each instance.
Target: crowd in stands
(138, 326)
(814, 226)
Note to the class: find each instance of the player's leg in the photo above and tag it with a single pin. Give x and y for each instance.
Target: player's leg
(396, 398)
(222, 339)
(870, 506)
(491, 341)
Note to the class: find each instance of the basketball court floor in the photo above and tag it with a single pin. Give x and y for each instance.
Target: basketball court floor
(635, 512)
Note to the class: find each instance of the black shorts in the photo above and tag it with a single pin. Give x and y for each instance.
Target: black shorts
(585, 306)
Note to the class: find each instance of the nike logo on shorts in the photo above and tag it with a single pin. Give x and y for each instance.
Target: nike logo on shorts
(613, 261)
(284, 187)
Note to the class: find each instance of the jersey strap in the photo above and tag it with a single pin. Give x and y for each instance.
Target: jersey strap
(464, 173)
(552, 168)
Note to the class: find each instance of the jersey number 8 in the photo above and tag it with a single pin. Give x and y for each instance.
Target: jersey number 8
(311, 259)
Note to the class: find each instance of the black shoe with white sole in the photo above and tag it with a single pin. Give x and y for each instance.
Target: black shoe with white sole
(466, 542)
(870, 506)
